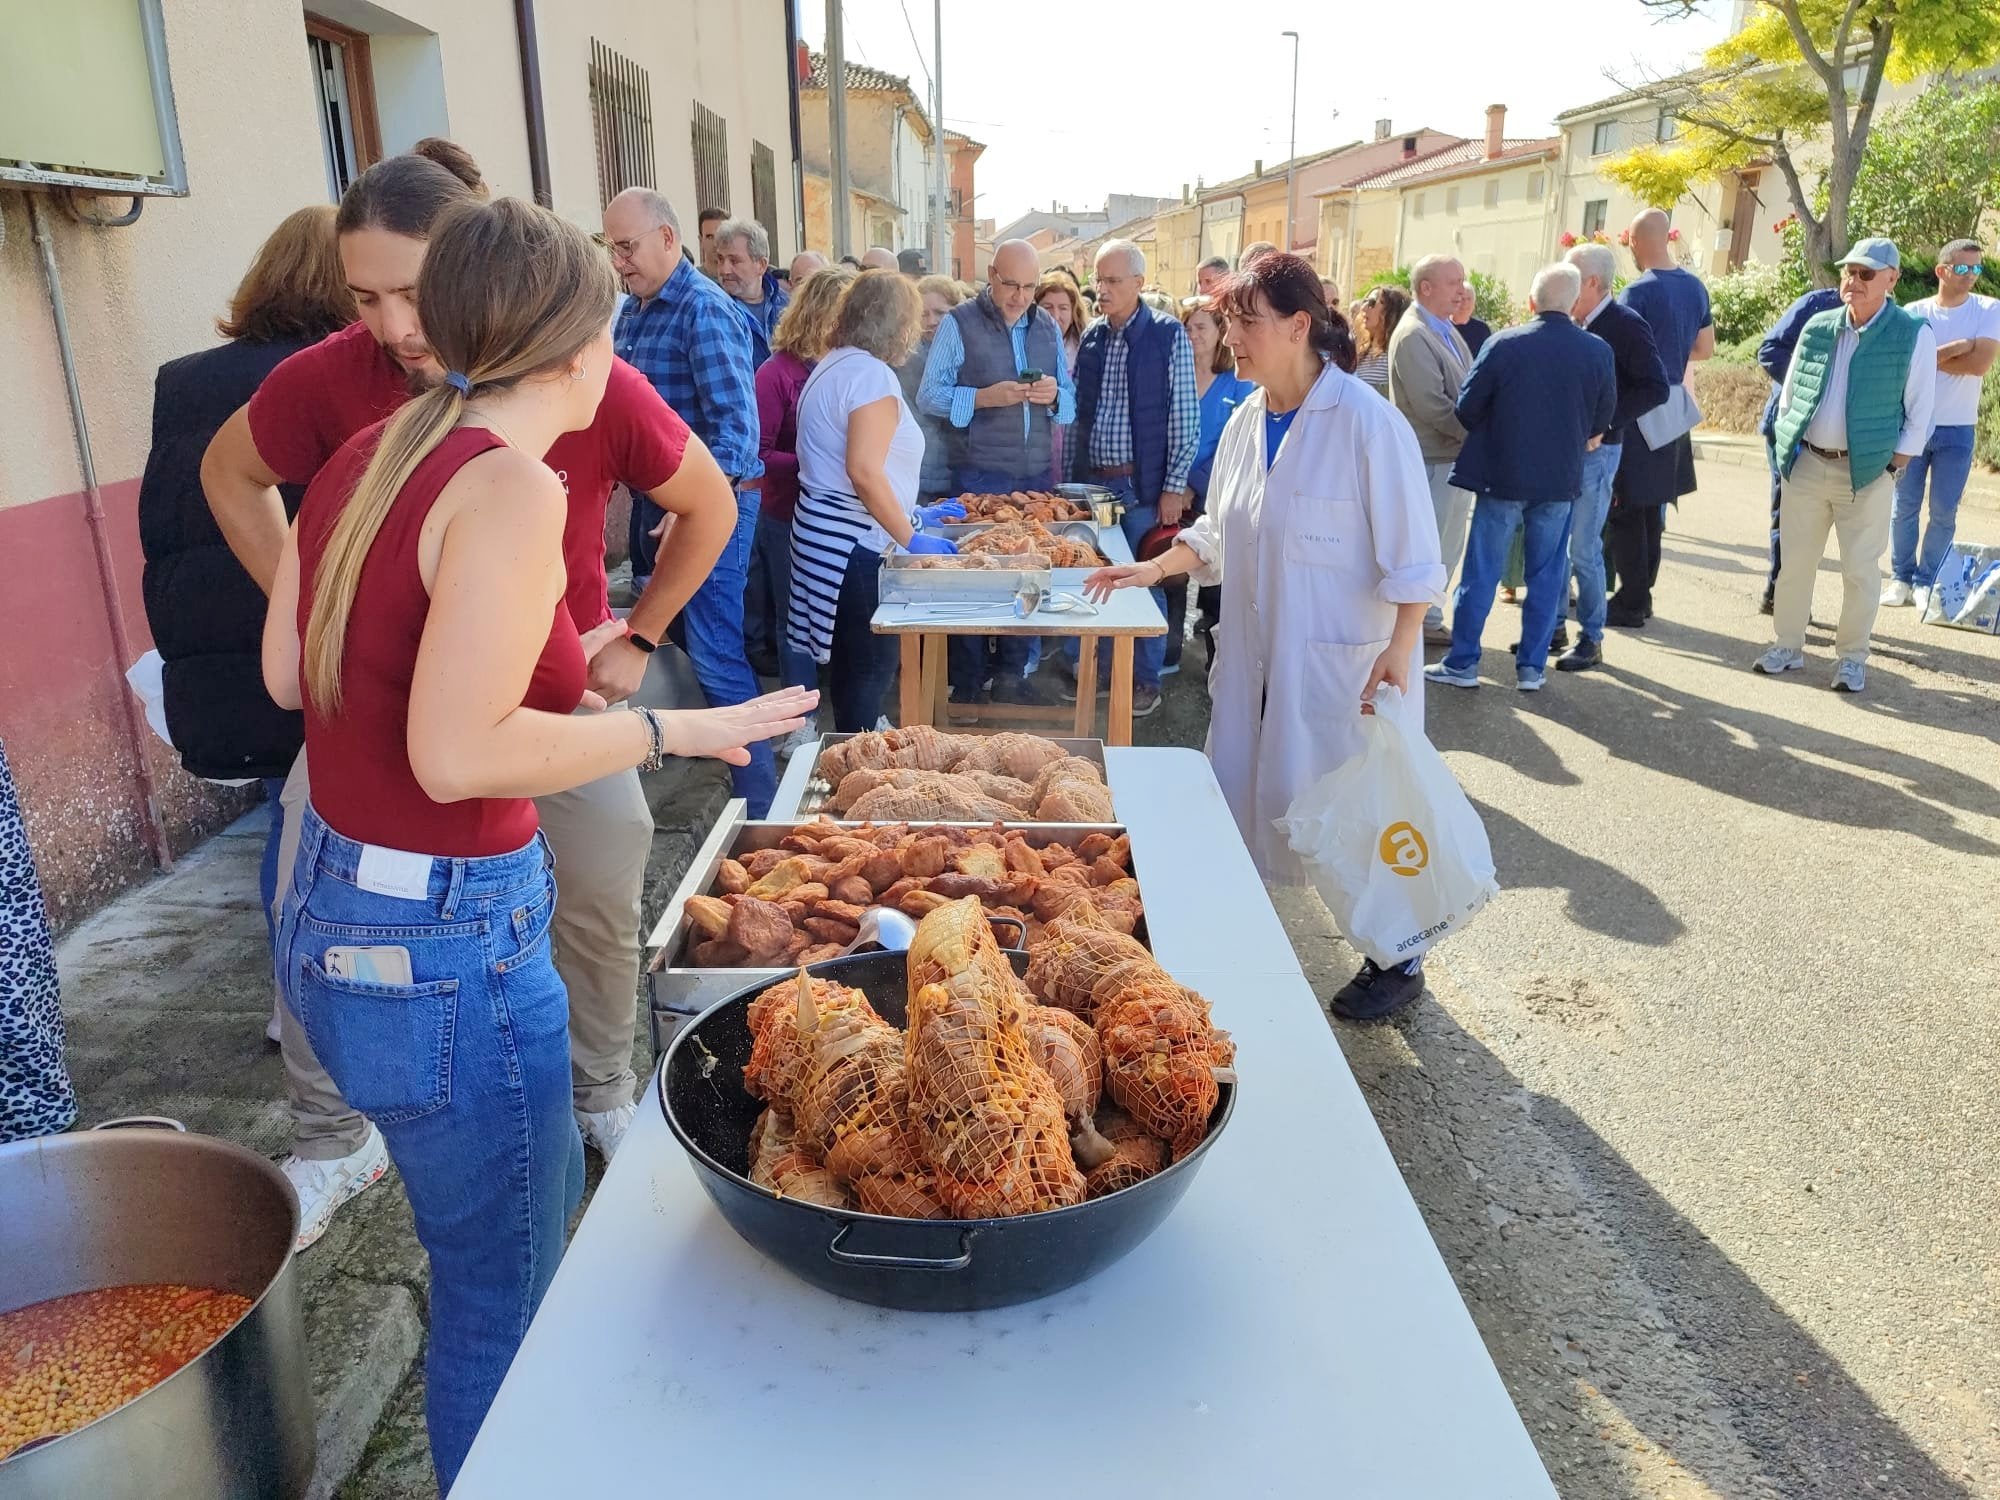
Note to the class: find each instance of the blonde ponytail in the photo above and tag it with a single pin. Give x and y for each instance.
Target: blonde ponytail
(412, 435)
(508, 290)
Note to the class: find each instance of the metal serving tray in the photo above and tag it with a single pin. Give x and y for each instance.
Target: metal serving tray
(1104, 503)
(678, 991)
(1076, 531)
(984, 587)
(818, 789)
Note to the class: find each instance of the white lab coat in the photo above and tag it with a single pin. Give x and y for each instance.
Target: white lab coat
(1314, 558)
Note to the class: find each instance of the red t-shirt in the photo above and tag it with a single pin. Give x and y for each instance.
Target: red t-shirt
(362, 783)
(316, 400)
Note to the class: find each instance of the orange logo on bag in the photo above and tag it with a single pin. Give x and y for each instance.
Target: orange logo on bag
(1403, 849)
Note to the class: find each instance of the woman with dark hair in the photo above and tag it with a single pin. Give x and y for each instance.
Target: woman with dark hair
(861, 454)
(420, 617)
(455, 159)
(1380, 311)
(206, 613)
(1319, 506)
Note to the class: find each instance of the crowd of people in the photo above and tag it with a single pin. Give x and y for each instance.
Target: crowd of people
(374, 520)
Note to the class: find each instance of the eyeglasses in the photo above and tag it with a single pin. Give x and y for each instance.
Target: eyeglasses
(1971, 270)
(1002, 284)
(1859, 273)
(626, 249)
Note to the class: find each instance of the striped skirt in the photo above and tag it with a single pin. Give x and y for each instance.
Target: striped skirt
(825, 531)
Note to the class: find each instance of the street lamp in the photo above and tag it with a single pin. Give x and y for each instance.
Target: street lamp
(1292, 156)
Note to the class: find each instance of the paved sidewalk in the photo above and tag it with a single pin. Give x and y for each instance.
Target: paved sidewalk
(1746, 450)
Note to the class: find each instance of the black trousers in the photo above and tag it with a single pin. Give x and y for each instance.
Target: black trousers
(1777, 494)
(1635, 533)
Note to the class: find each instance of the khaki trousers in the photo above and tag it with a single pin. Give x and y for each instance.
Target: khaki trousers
(601, 835)
(1453, 508)
(1819, 496)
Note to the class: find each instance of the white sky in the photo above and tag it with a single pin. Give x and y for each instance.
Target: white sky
(1068, 98)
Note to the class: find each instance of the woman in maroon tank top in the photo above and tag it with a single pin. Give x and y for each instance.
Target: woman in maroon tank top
(418, 619)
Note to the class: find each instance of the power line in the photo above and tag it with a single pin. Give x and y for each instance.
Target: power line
(910, 26)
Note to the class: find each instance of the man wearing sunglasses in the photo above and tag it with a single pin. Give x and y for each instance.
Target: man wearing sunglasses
(1967, 328)
(1856, 410)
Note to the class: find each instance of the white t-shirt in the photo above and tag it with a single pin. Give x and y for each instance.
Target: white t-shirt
(1976, 317)
(842, 382)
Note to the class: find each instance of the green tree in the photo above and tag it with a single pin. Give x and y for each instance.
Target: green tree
(1492, 304)
(1932, 171)
(1798, 72)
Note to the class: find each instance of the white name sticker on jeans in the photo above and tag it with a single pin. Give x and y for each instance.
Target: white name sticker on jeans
(394, 872)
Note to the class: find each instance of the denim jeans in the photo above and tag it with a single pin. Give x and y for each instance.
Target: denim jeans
(767, 603)
(1946, 461)
(1777, 499)
(1149, 652)
(861, 663)
(1586, 541)
(710, 630)
(466, 1073)
(1494, 522)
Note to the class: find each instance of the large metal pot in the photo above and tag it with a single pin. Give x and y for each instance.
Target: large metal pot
(918, 1264)
(117, 1207)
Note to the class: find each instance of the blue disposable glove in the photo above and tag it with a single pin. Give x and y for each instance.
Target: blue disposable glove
(944, 510)
(940, 545)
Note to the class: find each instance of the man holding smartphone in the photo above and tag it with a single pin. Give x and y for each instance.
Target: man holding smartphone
(998, 374)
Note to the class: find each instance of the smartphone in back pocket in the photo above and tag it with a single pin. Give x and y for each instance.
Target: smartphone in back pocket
(369, 965)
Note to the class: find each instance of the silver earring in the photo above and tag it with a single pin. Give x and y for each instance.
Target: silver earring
(579, 372)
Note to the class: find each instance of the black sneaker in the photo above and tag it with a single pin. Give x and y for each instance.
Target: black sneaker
(1627, 619)
(1376, 993)
(1769, 604)
(1557, 642)
(959, 702)
(1022, 690)
(1581, 657)
(1145, 701)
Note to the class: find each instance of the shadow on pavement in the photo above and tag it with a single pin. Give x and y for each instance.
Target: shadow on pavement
(1600, 896)
(1809, 1429)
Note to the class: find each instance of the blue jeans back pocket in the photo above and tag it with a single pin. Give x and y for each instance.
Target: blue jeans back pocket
(388, 1046)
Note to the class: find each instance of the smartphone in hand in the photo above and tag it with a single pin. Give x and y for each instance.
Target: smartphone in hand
(1029, 377)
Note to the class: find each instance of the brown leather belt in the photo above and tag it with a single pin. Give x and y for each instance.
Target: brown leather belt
(1831, 455)
(1116, 471)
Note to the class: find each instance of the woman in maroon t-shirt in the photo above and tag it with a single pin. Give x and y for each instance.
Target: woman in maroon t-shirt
(418, 617)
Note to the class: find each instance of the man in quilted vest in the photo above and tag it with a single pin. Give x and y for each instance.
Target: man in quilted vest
(1856, 408)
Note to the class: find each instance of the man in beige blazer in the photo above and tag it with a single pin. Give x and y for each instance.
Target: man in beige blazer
(1428, 361)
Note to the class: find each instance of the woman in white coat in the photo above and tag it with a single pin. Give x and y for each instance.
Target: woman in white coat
(1319, 515)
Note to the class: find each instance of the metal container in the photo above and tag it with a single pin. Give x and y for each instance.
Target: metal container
(1104, 503)
(1076, 531)
(119, 1207)
(974, 591)
(819, 789)
(678, 991)
(919, 1264)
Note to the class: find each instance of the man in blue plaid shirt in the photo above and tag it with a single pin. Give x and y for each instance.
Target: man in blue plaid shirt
(686, 335)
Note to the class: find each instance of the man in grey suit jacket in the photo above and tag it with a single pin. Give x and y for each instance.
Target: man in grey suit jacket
(1428, 362)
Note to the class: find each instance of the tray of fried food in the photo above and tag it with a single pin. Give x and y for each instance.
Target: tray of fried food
(1026, 562)
(1012, 777)
(1068, 544)
(1023, 505)
(786, 895)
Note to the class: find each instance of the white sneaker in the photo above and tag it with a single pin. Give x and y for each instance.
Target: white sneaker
(802, 738)
(1897, 594)
(1849, 677)
(1920, 596)
(323, 1186)
(1779, 659)
(604, 1130)
(274, 1030)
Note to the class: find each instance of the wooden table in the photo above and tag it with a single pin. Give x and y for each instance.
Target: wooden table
(926, 645)
(1289, 1331)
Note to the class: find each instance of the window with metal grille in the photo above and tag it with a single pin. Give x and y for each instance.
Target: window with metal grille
(711, 158)
(764, 188)
(621, 118)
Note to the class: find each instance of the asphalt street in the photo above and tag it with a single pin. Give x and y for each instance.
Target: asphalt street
(1700, 1110)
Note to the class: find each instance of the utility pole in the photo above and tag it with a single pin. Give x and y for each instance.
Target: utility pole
(836, 129)
(941, 235)
(1292, 156)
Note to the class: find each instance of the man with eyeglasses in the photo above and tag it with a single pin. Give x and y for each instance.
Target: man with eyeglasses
(997, 372)
(684, 334)
(1967, 328)
(1856, 410)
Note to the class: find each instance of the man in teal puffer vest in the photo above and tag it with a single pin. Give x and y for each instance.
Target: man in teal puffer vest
(1856, 408)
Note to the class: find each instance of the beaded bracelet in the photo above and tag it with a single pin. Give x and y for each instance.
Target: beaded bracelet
(655, 757)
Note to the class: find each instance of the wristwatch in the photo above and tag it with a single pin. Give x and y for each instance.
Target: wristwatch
(645, 645)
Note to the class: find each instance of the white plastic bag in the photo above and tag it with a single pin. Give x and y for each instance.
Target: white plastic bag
(1395, 850)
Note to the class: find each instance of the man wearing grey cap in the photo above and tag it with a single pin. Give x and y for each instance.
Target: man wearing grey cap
(1856, 409)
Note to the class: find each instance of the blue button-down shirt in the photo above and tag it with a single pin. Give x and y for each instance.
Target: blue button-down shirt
(692, 341)
(942, 396)
(1111, 428)
(1440, 326)
(763, 317)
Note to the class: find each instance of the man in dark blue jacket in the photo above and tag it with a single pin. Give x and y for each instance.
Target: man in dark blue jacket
(1642, 385)
(1536, 401)
(1775, 355)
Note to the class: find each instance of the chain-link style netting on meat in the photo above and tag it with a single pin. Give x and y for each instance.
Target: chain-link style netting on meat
(941, 801)
(780, 1163)
(1018, 795)
(920, 747)
(1136, 1154)
(1075, 951)
(1160, 1060)
(1069, 1053)
(779, 1052)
